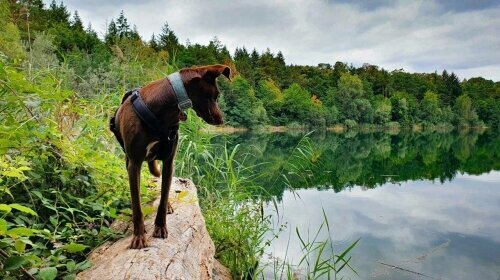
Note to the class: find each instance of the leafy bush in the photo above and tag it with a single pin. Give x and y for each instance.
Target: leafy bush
(350, 124)
(61, 184)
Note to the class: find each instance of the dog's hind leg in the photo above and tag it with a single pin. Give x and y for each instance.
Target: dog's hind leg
(134, 173)
(154, 168)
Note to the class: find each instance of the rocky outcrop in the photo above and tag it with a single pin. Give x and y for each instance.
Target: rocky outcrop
(187, 253)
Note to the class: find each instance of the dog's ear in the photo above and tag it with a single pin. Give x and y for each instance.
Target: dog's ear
(210, 73)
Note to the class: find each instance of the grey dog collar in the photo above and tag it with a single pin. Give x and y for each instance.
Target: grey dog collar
(183, 100)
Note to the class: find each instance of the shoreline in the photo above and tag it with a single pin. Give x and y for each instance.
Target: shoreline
(339, 128)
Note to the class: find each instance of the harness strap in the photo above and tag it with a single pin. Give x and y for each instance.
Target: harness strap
(148, 118)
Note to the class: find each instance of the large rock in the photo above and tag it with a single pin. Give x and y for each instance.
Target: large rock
(187, 253)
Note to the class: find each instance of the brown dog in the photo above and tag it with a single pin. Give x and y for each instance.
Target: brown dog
(141, 144)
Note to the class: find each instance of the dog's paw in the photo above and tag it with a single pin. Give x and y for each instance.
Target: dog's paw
(139, 242)
(170, 209)
(160, 232)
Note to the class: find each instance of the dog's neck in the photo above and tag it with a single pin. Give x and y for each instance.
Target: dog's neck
(162, 101)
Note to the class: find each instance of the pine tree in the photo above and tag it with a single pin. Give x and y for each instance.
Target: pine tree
(122, 26)
(111, 33)
(58, 13)
(77, 22)
(168, 40)
(153, 43)
(134, 34)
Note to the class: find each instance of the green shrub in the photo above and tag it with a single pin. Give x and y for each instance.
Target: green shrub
(350, 124)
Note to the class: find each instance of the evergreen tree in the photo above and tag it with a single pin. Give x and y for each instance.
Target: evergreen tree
(168, 41)
(244, 64)
(112, 33)
(134, 34)
(58, 13)
(76, 23)
(122, 26)
(153, 43)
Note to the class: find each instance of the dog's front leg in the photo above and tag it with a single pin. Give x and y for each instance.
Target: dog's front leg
(163, 207)
(134, 175)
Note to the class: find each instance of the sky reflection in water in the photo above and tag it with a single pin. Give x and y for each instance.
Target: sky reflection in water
(445, 231)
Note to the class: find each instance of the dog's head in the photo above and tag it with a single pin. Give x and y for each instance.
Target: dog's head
(201, 86)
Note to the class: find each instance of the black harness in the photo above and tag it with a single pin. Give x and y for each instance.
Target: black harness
(150, 120)
(166, 136)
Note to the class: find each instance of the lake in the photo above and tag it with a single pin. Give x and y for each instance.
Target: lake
(424, 205)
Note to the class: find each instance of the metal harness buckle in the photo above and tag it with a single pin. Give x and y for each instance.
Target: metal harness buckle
(185, 104)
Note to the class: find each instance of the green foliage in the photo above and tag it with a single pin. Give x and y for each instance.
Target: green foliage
(383, 110)
(55, 206)
(242, 107)
(400, 109)
(232, 213)
(430, 110)
(301, 107)
(350, 87)
(349, 99)
(350, 124)
(465, 114)
(272, 99)
(42, 54)
(9, 35)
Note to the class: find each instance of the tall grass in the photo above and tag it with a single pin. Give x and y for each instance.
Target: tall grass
(233, 214)
(319, 258)
(233, 206)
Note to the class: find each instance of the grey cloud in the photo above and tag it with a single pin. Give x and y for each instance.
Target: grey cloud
(468, 5)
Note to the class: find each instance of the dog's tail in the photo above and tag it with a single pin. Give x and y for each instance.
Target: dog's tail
(154, 168)
(112, 127)
(112, 122)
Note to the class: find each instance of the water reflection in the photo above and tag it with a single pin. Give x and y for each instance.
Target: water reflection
(445, 231)
(427, 203)
(371, 159)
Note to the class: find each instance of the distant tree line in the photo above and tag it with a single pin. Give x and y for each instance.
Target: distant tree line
(265, 90)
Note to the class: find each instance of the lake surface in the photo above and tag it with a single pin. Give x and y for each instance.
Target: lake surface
(424, 205)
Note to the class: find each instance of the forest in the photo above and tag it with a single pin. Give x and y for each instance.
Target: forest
(265, 90)
(62, 180)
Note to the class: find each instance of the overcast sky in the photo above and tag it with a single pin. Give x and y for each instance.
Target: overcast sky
(418, 36)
